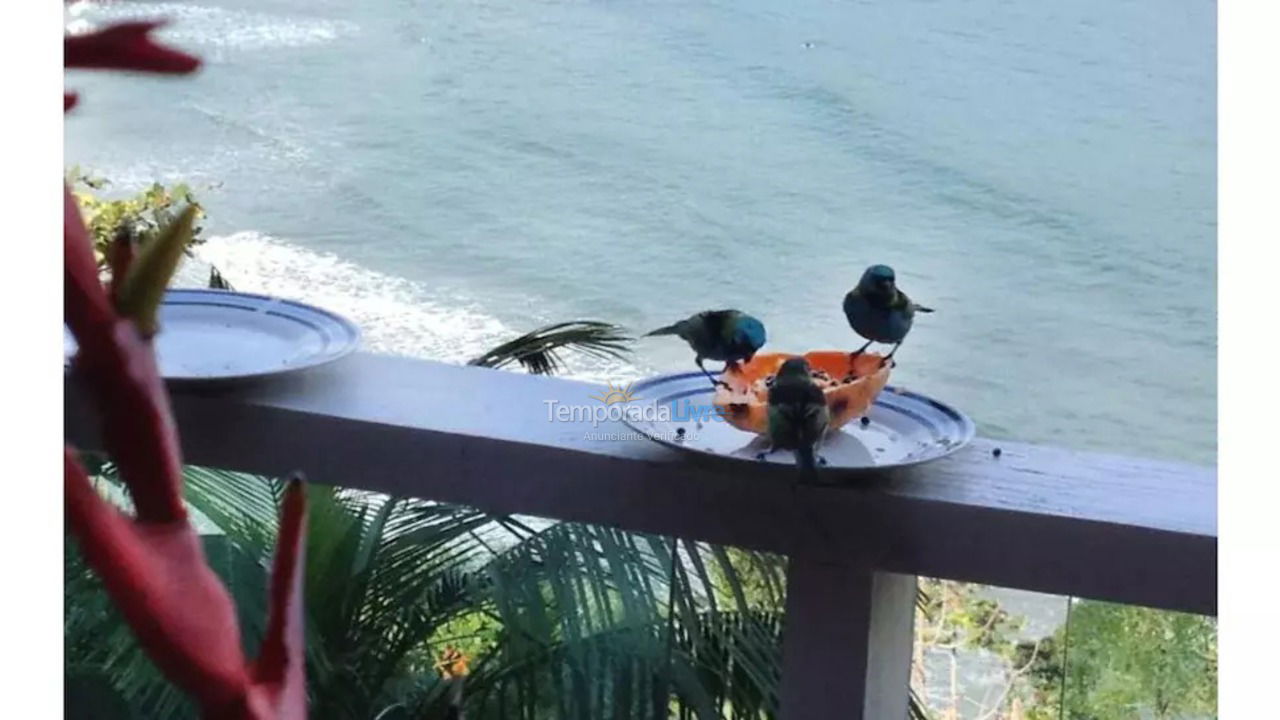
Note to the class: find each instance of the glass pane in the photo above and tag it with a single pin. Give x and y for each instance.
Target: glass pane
(970, 646)
(994, 653)
(1125, 661)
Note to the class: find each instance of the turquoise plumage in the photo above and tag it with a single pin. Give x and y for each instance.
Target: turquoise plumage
(878, 311)
(730, 336)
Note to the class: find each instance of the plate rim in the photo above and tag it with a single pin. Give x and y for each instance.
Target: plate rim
(353, 344)
(968, 433)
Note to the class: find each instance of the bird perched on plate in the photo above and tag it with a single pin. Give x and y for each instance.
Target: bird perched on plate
(880, 312)
(730, 336)
(798, 415)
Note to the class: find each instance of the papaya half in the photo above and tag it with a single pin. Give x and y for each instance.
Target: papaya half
(850, 385)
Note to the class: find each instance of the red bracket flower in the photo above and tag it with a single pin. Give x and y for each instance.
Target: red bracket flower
(152, 564)
(123, 46)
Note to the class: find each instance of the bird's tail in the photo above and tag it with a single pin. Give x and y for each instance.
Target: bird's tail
(673, 329)
(923, 309)
(807, 461)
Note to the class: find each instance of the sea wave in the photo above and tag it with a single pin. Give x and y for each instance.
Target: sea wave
(211, 27)
(397, 316)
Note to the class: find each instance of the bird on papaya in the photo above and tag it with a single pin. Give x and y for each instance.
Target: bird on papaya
(729, 336)
(798, 416)
(879, 311)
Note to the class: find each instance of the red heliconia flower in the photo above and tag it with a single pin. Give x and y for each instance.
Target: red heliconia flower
(152, 564)
(125, 46)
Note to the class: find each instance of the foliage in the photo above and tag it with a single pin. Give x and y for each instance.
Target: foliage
(760, 577)
(1124, 661)
(951, 618)
(953, 615)
(138, 217)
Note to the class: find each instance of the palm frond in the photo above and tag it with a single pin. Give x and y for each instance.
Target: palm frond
(923, 601)
(217, 281)
(600, 623)
(540, 351)
(382, 573)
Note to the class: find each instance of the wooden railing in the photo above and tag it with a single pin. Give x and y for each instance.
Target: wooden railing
(1037, 518)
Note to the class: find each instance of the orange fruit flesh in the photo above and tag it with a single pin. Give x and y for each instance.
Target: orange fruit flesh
(849, 384)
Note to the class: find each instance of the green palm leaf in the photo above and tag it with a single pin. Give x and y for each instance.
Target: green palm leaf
(540, 351)
(601, 623)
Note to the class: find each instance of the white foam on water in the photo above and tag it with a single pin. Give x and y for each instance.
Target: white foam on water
(211, 27)
(397, 316)
(79, 26)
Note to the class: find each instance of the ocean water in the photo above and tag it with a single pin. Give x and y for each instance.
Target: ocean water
(453, 173)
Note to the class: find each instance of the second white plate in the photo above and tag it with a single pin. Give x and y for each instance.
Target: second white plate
(219, 335)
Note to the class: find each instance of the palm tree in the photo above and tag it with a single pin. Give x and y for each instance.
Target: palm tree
(552, 619)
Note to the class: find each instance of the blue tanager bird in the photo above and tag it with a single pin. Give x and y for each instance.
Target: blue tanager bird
(880, 312)
(730, 336)
(798, 415)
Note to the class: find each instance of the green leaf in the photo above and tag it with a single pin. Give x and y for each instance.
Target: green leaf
(143, 288)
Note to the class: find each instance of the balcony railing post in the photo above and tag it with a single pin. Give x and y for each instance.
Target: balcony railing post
(847, 642)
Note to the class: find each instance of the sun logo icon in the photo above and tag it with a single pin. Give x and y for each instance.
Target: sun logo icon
(618, 394)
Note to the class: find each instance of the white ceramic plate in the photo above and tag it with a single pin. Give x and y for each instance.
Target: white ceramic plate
(901, 428)
(219, 335)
